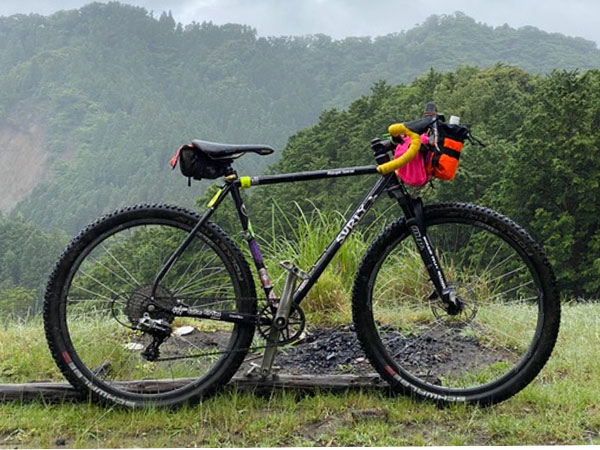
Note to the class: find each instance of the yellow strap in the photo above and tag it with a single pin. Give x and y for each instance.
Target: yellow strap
(415, 144)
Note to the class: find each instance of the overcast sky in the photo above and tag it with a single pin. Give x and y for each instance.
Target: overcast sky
(341, 18)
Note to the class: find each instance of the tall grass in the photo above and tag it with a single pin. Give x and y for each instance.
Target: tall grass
(309, 234)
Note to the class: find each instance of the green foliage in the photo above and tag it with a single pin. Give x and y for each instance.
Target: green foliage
(540, 166)
(558, 407)
(551, 180)
(17, 301)
(329, 300)
(116, 91)
(27, 253)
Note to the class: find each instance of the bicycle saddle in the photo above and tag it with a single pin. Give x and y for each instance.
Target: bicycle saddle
(216, 150)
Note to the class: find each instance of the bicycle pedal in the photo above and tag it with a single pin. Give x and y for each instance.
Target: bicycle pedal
(290, 267)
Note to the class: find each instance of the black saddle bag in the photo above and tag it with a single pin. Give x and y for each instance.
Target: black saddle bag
(194, 163)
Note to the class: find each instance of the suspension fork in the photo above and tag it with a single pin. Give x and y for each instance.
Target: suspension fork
(415, 220)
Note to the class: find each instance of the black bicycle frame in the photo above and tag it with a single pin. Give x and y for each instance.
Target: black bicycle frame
(412, 208)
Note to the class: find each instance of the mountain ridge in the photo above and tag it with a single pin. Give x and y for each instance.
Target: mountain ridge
(115, 91)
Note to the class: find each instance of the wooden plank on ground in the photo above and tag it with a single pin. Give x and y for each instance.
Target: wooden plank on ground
(56, 392)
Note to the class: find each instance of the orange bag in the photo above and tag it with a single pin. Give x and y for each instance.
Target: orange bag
(443, 158)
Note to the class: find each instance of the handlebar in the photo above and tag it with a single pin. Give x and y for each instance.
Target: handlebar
(415, 144)
(413, 130)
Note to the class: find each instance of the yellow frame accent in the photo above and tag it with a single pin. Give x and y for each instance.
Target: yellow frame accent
(246, 182)
(215, 198)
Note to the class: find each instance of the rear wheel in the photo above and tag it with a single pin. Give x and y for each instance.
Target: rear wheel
(100, 293)
(486, 349)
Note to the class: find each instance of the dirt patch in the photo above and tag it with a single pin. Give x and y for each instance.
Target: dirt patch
(322, 429)
(440, 352)
(23, 162)
(325, 351)
(431, 354)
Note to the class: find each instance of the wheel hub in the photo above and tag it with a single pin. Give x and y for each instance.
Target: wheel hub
(454, 305)
(141, 303)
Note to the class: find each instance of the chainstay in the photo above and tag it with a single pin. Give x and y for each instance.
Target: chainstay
(208, 301)
(201, 355)
(196, 302)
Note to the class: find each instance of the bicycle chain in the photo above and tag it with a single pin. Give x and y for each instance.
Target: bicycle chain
(164, 308)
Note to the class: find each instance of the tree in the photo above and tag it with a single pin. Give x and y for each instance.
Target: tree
(551, 182)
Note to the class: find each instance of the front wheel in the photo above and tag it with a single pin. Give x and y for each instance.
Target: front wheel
(99, 299)
(486, 349)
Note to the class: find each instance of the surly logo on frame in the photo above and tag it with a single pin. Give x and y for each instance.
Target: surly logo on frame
(360, 212)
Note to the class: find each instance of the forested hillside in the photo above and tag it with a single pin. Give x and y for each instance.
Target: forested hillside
(93, 102)
(27, 254)
(541, 165)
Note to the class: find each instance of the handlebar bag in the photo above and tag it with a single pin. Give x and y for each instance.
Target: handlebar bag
(443, 161)
(413, 173)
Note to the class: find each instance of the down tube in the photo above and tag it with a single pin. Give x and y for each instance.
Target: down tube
(358, 214)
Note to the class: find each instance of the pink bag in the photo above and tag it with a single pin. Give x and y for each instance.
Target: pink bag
(413, 173)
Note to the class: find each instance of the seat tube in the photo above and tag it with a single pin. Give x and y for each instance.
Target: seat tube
(263, 275)
(186, 242)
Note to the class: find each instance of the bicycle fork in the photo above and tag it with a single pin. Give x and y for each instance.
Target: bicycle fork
(413, 211)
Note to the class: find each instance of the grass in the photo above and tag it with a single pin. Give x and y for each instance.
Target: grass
(561, 406)
(328, 302)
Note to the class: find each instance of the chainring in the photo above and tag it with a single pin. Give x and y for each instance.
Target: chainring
(291, 332)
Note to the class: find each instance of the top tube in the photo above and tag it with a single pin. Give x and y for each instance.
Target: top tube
(246, 182)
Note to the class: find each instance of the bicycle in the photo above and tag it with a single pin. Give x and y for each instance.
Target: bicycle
(156, 305)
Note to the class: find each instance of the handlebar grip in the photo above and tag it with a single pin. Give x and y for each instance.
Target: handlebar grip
(415, 144)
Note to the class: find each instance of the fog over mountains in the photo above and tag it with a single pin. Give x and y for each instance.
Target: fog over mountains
(93, 102)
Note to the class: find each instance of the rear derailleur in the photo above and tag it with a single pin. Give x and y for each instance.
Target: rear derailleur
(159, 329)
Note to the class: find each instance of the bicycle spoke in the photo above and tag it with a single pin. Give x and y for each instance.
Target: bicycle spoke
(196, 280)
(137, 283)
(486, 335)
(100, 283)
(111, 288)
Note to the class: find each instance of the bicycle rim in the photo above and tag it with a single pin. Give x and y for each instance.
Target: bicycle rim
(108, 290)
(497, 328)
